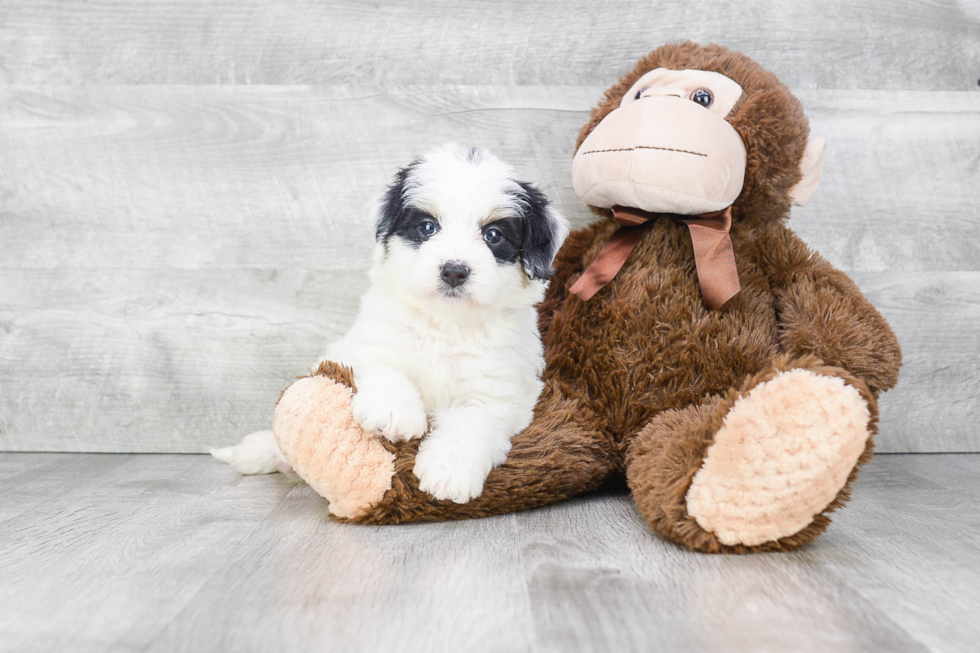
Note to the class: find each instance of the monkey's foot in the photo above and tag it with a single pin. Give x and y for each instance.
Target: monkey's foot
(316, 431)
(783, 453)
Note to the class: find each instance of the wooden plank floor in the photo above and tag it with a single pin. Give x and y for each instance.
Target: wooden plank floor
(177, 553)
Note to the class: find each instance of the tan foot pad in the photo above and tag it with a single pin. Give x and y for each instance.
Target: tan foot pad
(317, 432)
(783, 453)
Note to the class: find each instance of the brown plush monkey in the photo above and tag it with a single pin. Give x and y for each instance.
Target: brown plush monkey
(729, 372)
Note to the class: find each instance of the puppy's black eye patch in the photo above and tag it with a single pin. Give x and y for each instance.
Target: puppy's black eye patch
(504, 238)
(411, 225)
(415, 226)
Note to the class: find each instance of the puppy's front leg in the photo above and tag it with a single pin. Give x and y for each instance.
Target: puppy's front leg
(386, 402)
(464, 445)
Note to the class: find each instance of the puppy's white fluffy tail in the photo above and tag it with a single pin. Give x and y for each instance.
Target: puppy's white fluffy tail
(257, 453)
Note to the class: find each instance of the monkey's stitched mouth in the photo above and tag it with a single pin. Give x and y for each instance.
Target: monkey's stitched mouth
(645, 147)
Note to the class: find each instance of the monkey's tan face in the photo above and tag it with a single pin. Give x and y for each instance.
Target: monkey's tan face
(668, 148)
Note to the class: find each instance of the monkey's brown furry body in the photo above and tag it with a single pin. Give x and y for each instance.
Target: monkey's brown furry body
(643, 378)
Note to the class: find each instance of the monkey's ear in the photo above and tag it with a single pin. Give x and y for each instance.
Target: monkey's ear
(811, 167)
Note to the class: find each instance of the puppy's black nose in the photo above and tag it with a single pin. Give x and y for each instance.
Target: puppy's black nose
(454, 273)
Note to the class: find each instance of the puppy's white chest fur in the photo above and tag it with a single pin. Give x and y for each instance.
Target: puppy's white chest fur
(498, 359)
(476, 357)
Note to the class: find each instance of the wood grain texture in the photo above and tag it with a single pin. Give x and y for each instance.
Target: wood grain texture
(899, 190)
(100, 552)
(899, 44)
(174, 256)
(177, 553)
(936, 404)
(913, 512)
(607, 584)
(465, 590)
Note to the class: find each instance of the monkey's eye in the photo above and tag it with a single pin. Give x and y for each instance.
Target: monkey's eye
(428, 228)
(492, 236)
(642, 91)
(703, 97)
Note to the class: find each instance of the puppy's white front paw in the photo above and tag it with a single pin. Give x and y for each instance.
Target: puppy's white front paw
(396, 413)
(445, 472)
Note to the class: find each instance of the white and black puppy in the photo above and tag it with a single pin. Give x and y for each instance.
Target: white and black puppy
(446, 340)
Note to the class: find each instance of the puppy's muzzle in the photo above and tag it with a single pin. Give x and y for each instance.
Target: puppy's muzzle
(455, 273)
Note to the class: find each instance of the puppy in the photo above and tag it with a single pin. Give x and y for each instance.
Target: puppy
(446, 341)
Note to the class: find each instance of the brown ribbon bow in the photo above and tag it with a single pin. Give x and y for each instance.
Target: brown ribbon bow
(713, 254)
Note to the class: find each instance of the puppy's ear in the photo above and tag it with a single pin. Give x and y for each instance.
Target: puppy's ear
(545, 230)
(389, 207)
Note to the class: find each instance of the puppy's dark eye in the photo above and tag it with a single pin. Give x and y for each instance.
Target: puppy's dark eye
(641, 92)
(703, 97)
(492, 236)
(428, 228)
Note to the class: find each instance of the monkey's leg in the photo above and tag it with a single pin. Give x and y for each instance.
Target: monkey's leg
(758, 469)
(316, 431)
(370, 480)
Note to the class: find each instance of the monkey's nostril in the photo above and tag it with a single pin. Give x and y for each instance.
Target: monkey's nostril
(454, 273)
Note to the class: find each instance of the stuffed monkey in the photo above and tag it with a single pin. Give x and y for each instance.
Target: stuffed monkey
(693, 342)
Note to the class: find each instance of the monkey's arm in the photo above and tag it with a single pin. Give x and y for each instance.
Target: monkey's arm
(568, 262)
(822, 312)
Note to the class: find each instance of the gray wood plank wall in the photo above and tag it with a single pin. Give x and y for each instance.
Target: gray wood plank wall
(182, 184)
